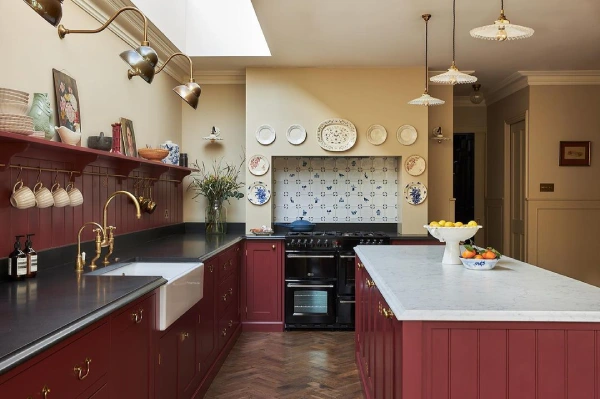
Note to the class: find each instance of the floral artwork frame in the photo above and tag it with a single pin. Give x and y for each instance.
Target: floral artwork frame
(128, 138)
(575, 153)
(68, 107)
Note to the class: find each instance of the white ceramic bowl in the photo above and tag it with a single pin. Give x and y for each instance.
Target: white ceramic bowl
(479, 264)
(452, 236)
(13, 107)
(68, 136)
(12, 97)
(14, 92)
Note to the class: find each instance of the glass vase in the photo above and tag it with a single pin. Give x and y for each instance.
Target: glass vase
(216, 218)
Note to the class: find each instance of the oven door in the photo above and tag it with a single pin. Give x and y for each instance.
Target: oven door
(311, 265)
(345, 311)
(310, 302)
(346, 274)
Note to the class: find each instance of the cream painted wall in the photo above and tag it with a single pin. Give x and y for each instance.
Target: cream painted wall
(31, 48)
(223, 106)
(281, 97)
(440, 193)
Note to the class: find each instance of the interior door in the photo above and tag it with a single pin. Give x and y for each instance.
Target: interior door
(517, 191)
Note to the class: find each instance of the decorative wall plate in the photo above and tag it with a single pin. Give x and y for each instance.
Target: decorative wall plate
(258, 193)
(415, 165)
(296, 134)
(258, 165)
(265, 134)
(336, 135)
(376, 134)
(406, 134)
(415, 193)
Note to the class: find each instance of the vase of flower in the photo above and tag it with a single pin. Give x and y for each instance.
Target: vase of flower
(215, 218)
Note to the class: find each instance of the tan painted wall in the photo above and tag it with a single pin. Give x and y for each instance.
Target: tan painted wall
(31, 48)
(281, 97)
(497, 188)
(440, 193)
(223, 106)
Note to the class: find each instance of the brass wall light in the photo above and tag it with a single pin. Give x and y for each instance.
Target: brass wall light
(50, 10)
(189, 92)
(143, 59)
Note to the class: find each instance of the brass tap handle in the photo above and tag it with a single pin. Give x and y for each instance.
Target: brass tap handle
(111, 244)
(80, 262)
(99, 232)
(45, 392)
(79, 370)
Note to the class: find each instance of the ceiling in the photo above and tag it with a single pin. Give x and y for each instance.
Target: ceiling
(390, 33)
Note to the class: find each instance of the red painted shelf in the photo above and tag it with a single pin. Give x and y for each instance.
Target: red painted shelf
(12, 144)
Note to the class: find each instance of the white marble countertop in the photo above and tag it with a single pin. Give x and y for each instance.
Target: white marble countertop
(417, 286)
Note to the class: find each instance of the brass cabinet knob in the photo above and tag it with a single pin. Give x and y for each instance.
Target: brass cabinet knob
(224, 332)
(274, 246)
(79, 370)
(224, 297)
(211, 268)
(184, 335)
(45, 392)
(231, 291)
(230, 323)
(360, 265)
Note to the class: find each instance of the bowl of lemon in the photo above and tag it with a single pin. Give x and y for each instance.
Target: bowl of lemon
(452, 233)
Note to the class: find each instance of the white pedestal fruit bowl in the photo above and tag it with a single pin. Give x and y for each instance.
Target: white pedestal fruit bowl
(452, 236)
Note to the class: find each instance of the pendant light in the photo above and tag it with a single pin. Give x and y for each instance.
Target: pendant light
(425, 98)
(476, 96)
(502, 29)
(453, 76)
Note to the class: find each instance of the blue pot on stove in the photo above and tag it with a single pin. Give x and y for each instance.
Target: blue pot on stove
(299, 225)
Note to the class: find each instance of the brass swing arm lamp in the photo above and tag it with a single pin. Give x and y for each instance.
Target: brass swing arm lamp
(143, 59)
(190, 92)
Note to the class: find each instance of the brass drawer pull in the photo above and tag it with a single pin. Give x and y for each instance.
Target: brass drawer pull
(370, 283)
(45, 392)
(225, 266)
(211, 268)
(387, 313)
(230, 323)
(380, 308)
(224, 332)
(360, 265)
(230, 262)
(138, 316)
(184, 335)
(231, 291)
(79, 370)
(225, 298)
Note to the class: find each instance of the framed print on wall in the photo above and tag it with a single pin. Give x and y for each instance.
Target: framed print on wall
(574, 153)
(67, 101)
(129, 147)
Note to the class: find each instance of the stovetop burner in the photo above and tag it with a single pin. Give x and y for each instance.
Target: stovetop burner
(334, 239)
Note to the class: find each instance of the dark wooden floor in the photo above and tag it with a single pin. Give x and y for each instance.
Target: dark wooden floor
(309, 364)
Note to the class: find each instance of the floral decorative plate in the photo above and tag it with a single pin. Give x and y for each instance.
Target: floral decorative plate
(415, 165)
(406, 134)
(258, 165)
(336, 135)
(415, 193)
(376, 134)
(258, 193)
(265, 134)
(296, 134)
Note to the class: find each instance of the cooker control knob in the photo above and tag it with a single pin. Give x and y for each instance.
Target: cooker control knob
(318, 243)
(380, 242)
(311, 242)
(325, 243)
(292, 243)
(361, 242)
(305, 242)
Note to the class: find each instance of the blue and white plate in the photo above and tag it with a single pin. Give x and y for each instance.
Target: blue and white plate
(258, 193)
(415, 193)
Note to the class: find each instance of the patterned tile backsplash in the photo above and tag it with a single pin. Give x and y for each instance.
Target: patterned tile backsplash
(342, 190)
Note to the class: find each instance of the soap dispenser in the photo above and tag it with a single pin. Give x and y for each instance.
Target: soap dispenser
(31, 257)
(17, 261)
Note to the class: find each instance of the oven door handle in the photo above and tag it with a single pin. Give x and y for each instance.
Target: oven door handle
(347, 301)
(348, 256)
(294, 256)
(310, 285)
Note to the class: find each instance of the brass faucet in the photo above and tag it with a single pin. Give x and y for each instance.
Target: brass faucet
(100, 232)
(109, 237)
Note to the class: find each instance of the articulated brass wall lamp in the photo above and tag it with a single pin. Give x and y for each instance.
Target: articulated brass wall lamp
(50, 10)
(189, 92)
(143, 59)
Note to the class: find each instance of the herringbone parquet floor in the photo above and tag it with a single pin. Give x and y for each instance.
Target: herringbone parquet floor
(290, 365)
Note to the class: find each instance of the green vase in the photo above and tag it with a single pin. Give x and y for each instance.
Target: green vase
(216, 218)
(41, 112)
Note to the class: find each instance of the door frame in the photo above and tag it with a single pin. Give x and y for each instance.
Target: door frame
(523, 116)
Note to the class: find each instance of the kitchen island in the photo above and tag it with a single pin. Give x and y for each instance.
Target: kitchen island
(428, 330)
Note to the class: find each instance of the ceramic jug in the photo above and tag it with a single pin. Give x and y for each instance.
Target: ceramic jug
(41, 112)
(173, 157)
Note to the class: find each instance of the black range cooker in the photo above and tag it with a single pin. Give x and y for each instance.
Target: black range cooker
(319, 278)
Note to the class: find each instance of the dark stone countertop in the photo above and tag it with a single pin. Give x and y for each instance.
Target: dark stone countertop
(39, 312)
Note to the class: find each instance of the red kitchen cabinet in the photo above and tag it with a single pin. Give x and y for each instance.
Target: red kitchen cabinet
(131, 350)
(166, 372)
(206, 328)
(262, 282)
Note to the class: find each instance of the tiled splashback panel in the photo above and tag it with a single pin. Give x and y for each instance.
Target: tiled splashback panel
(342, 190)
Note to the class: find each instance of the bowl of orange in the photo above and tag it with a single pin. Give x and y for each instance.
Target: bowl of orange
(474, 258)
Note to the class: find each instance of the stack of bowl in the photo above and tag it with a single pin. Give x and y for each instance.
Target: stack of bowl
(13, 112)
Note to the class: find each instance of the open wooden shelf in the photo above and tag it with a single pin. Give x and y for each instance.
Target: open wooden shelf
(12, 144)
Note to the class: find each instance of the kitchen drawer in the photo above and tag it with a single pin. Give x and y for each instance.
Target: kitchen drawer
(66, 373)
(228, 262)
(228, 293)
(227, 325)
(133, 314)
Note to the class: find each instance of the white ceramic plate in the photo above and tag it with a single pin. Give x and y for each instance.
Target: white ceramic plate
(376, 134)
(14, 92)
(19, 131)
(258, 193)
(258, 165)
(265, 134)
(415, 165)
(296, 134)
(406, 134)
(336, 135)
(415, 193)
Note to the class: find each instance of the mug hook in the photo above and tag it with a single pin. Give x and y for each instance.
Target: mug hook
(19, 174)
(56, 177)
(39, 174)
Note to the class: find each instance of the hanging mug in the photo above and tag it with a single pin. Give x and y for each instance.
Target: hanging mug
(43, 196)
(61, 197)
(75, 196)
(22, 197)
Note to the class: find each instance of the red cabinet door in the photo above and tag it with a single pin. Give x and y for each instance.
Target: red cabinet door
(131, 350)
(389, 350)
(370, 312)
(378, 352)
(263, 284)
(358, 308)
(206, 328)
(166, 372)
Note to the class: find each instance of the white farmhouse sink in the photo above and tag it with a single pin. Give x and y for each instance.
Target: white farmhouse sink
(182, 290)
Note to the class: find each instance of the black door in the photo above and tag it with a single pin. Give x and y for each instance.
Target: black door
(464, 176)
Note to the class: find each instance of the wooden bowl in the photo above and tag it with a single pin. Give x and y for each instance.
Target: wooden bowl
(153, 154)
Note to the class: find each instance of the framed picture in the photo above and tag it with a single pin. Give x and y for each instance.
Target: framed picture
(128, 138)
(68, 107)
(574, 153)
